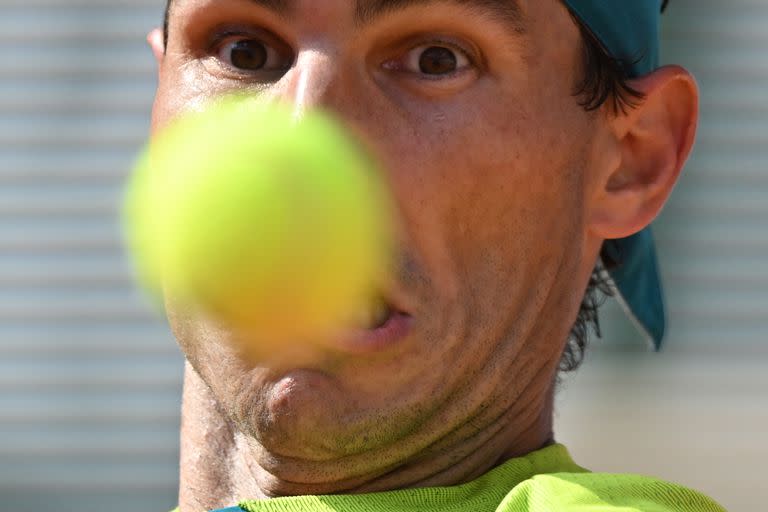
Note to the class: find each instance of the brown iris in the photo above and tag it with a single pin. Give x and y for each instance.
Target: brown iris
(437, 60)
(250, 55)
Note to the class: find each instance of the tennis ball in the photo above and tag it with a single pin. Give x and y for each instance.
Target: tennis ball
(275, 225)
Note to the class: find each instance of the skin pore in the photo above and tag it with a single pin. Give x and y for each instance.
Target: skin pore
(505, 189)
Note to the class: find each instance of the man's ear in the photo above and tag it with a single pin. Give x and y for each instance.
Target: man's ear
(156, 42)
(650, 144)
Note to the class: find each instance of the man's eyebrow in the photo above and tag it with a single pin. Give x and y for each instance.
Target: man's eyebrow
(281, 7)
(508, 11)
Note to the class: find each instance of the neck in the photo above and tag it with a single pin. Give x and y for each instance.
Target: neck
(219, 467)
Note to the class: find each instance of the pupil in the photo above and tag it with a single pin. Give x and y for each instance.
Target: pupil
(249, 55)
(437, 60)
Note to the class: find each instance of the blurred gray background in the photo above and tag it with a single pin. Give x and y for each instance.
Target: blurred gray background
(90, 379)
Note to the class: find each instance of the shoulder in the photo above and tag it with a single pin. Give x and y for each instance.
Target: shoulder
(592, 491)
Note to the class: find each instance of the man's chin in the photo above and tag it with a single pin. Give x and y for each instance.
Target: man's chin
(301, 414)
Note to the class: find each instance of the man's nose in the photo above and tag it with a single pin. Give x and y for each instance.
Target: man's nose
(311, 81)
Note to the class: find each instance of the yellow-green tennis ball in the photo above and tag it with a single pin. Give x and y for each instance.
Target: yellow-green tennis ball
(277, 226)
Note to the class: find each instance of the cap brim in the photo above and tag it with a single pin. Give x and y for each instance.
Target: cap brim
(637, 283)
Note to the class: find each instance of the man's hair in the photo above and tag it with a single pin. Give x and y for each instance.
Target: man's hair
(604, 80)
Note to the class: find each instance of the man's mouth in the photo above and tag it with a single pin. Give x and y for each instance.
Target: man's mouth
(373, 315)
(378, 325)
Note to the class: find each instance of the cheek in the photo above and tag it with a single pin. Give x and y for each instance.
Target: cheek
(483, 190)
(183, 87)
(192, 335)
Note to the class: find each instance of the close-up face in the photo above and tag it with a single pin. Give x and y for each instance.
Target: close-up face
(470, 107)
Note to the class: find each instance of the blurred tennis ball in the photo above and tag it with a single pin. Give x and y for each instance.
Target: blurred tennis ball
(277, 226)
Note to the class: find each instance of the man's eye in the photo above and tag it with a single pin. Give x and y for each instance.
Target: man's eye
(435, 60)
(252, 55)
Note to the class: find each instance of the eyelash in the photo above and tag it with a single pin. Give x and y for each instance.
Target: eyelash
(466, 61)
(437, 43)
(271, 42)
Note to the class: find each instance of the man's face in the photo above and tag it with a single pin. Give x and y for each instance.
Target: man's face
(470, 107)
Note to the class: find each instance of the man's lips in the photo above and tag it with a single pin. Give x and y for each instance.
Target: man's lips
(380, 324)
(383, 322)
(385, 333)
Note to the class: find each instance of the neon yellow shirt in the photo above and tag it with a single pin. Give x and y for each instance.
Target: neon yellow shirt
(543, 481)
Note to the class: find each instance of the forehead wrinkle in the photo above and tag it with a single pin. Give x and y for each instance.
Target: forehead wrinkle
(507, 11)
(281, 7)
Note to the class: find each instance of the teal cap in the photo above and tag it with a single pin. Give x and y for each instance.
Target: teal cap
(629, 31)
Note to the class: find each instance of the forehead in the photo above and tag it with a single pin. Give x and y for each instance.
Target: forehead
(510, 11)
